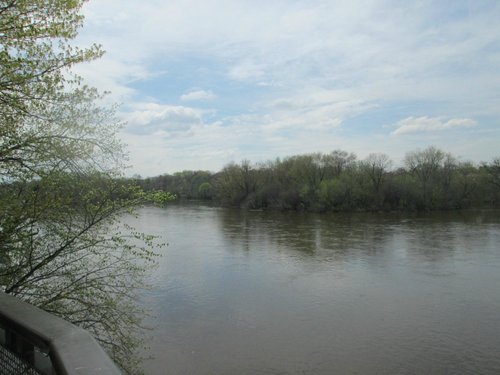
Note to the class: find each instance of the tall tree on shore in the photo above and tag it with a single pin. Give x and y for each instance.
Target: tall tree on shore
(61, 243)
(426, 166)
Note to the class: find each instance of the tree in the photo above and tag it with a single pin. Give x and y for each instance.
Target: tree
(236, 183)
(338, 161)
(493, 170)
(35, 52)
(205, 191)
(425, 165)
(376, 166)
(62, 246)
(65, 250)
(492, 178)
(308, 171)
(466, 184)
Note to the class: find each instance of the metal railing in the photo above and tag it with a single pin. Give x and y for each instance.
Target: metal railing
(33, 341)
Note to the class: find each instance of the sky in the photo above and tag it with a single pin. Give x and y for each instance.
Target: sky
(208, 82)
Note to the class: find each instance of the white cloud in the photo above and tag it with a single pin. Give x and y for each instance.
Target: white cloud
(198, 95)
(313, 109)
(297, 41)
(116, 77)
(248, 71)
(431, 124)
(292, 76)
(161, 120)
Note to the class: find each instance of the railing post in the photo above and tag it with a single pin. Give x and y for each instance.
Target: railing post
(19, 346)
(23, 348)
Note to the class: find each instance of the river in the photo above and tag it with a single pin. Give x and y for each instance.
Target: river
(294, 293)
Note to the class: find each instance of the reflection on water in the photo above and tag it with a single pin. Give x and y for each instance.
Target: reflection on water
(291, 293)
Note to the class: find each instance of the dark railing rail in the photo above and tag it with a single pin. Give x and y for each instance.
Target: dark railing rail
(47, 344)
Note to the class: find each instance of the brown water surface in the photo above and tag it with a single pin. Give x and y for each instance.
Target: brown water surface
(292, 293)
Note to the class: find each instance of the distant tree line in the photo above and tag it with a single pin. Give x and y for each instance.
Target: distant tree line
(429, 179)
